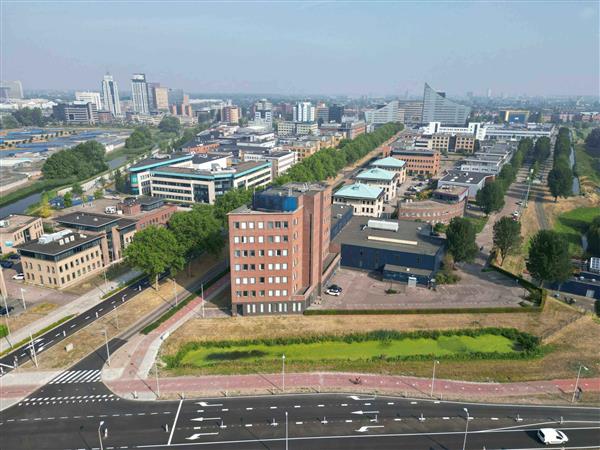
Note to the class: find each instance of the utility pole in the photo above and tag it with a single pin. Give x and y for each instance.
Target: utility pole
(107, 349)
(116, 316)
(435, 363)
(466, 429)
(283, 373)
(581, 366)
(32, 350)
(6, 306)
(202, 296)
(286, 430)
(174, 290)
(156, 374)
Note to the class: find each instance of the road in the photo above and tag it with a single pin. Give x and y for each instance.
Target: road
(24, 353)
(68, 411)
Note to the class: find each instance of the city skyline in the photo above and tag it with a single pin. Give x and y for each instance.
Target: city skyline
(358, 49)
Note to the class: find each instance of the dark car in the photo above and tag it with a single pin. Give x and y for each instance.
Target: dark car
(3, 310)
(14, 256)
(6, 264)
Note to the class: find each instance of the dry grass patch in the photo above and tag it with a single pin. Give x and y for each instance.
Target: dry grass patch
(32, 314)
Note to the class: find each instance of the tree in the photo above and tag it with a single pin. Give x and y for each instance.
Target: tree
(141, 137)
(98, 194)
(155, 250)
(592, 142)
(9, 122)
(491, 197)
(593, 237)
(229, 201)
(542, 149)
(560, 181)
(460, 235)
(68, 199)
(169, 124)
(80, 162)
(507, 236)
(120, 181)
(43, 209)
(77, 189)
(549, 258)
(29, 117)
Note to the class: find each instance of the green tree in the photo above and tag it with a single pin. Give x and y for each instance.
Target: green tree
(80, 162)
(593, 237)
(592, 142)
(77, 189)
(98, 194)
(549, 258)
(229, 201)
(141, 137)
(155, 250)
(9, 122)
(169, 124)
(491, 197)
(560, 181)
(507, 237)
(120, 181)
(542, 149)
(460, 236)
(68, 199)
(28, 117)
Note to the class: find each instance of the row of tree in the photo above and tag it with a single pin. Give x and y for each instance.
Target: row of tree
(328, 162)
(24, 117)
(140, 137)
(78, 163)
(560, 178)
(592, 143)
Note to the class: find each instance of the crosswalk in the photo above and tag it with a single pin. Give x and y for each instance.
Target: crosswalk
(33, 401)
(77, 376)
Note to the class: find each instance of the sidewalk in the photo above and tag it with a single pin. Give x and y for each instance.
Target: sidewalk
(74, 307)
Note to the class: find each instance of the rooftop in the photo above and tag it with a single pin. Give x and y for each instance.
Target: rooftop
(410, 236)
(161, 160)
(376, 174)
(65, 242)
(16, 221)
(359, 191)
(389, 162)
(458, 176)
(86, 219)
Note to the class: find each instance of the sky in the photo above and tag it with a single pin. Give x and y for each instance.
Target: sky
(303, 47)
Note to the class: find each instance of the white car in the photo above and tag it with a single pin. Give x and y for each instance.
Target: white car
(552, 436)
(18, 276)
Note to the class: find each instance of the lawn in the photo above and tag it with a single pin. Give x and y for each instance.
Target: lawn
(572, 224)
(478, 222)
(587, 167)
(245, 356)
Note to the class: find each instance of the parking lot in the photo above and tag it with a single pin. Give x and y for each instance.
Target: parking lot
(476, 289)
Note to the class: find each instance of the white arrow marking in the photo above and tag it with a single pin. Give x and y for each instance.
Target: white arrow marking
(193, 437)
(357, 398)
(365, 412)
(366, 428)
(202, 419)
(208, 404)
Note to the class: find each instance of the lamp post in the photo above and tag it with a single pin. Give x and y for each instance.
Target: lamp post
(286, 430)
(466, 429)
(156, 374)
(202, 295)
(174, 291)
(23, 299)
(283, 373)
(100, 434)
(32, 350)
(6, 306)
(435, 363)
(107, 349)
(581, 366)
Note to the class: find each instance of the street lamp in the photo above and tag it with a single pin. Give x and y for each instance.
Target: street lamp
(435, 363)
(100, 434)
(581, 366)
(466, 429)
(174, 291)
(286, 430)
(283, 373)
(23, 298)
(107, 349)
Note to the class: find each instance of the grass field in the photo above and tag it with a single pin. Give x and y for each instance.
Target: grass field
(338, 350)
(572, 224)
(587, 167)
(478, 222)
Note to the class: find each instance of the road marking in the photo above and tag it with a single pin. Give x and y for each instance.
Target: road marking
(344, 404)
(249, 408)
(413, 403)
(390, 403)
(360, 413)
(197, 435)
(272, 407)
(367, 404)
(495, 418)
(225, 409)
(296, 406)
(446, 418)
(248, 425)
(175, 422)
(321, 406)
(348, 421)
(365, 428)
(207, 404)
(397, 419)
(299, 423)
(202, 419)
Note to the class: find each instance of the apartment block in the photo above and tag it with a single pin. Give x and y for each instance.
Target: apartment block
(279, 249)
(17, 229)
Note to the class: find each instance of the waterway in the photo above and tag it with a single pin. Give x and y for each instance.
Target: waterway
(576, 190)
(20, 206)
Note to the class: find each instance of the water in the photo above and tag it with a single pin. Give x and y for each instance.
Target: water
(117, 162)
(575, 187)
(20, 206)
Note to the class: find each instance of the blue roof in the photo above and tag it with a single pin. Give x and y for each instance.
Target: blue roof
(389, 162)
(376, 174)
(359, 191)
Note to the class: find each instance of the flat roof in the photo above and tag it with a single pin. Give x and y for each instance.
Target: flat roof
(389, 162)
(161, 160)
(359, 191)
(404, 269)
(86, 219)
(458, 176)
(55, 248)
(17, 221)
(411, 236)
(235, 170)
(376, 173)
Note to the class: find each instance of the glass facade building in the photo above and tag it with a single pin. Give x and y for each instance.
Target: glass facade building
(437, 108)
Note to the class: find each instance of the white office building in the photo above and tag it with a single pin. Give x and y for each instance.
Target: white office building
(89, 97)
(474, 128)
(304, 112)
(384, 114)
(139, 93)
(110, 95)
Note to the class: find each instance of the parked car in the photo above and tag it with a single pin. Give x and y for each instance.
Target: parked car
(14, 256)
(4, 311)
(18, 276)
(6, 264)
(552, 436)
(334, 289)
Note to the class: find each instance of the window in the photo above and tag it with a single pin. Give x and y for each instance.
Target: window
(236, 239)
(237, 267)
(270, 252)
(261, 239)
(284, 252)
(243, 225)
(236, 225)
(251, 225)
(251, 239)
(270, 294)
(238, 280)
(261, 225)
(284, 279)
(284, 266)
(270, 266)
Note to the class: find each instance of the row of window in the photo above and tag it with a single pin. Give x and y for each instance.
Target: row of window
(64, 279)
(273, 307)
(269, 293)
(261, 225)
(252, 280)
(260, 239)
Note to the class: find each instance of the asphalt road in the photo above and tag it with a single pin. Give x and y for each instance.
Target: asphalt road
(67, 414)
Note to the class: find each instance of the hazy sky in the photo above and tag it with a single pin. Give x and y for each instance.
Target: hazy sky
(535, 47)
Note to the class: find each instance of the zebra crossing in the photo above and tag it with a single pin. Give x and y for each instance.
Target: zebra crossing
(77, 376)
(33, 401)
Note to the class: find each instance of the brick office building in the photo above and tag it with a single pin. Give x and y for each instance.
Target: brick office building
(279, 249)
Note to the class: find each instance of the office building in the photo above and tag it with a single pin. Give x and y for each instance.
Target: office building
(139, 94)
(364, 199)
(336, 112)
(400, 251)
(89, 97)
(473, 181)
(62, 259)
(322, 113)
(281, 161)
(380, 178)
(384, 114)
(161, 97)
(141, 172)
(4, 94)
(17, 229)
(508, 132)
(285, 128)
(110, 96)
(411, 111)
(76, 113)
(301, 147)
(476, 129)
(263, 113)
(279, 249)
(392, 165)
(418, 161)
(14, 89)
(445, 204)
(303, 112)
(437, 108)
(231, 114)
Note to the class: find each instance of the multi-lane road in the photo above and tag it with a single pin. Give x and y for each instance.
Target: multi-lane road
(77, 411)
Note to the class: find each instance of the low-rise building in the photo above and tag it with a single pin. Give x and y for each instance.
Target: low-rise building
(303, 148)
(473, 181)
(418, 161)
(286, 128)
(381, 178)
(445, 204)
(76, 113)
(365, 200)
(281, 161)
(16, 229)
(146, 211)
(392, 165)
